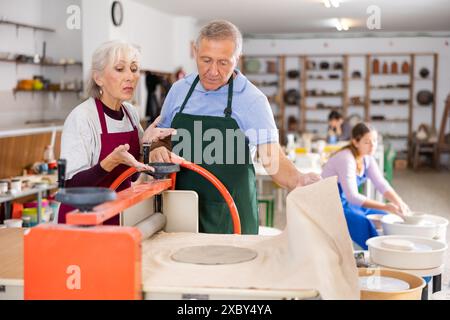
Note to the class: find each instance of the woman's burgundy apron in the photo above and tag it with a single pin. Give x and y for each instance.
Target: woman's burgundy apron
(110, 141)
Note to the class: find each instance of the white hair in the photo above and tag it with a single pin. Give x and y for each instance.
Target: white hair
(109, 52)
(221, 30)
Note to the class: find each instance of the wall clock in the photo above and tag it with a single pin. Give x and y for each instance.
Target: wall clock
(117, 13)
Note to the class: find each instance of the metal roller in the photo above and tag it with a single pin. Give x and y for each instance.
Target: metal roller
(151, 225)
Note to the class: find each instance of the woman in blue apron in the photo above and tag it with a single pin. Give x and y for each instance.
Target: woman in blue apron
(353, 165)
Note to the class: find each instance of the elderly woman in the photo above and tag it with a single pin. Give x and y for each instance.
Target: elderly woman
(102, 136)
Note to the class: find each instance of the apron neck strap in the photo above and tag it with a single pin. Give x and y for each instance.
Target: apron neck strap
(227, 110)
(101, 115)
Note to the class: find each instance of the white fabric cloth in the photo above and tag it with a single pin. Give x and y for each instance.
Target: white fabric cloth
(80, 140)
(313, 252)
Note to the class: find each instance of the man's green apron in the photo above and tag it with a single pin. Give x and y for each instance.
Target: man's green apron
(237, 176)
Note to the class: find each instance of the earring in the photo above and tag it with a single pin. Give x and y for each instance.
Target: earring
(101, 91)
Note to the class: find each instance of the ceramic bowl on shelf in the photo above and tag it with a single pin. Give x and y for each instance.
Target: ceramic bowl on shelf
(424, 72)
(424, 97)
(252, 66)
(402, 101)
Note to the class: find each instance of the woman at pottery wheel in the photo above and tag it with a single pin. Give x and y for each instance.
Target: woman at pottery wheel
(353, 165)
(102, 136)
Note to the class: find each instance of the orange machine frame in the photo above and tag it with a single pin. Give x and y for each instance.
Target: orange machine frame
(85, 260)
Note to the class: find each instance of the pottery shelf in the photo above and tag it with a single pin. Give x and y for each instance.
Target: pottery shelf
(45, 64)
(27, 26)
(367, 84)
(390, 120)
(17, 90)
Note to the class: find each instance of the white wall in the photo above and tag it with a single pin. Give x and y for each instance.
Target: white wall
(164, 39)
(363, 46)
(64, 43)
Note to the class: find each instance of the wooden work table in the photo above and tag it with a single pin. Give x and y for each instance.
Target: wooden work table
(11, 254)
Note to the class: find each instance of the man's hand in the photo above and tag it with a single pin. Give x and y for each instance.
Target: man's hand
(162, 154)
(152, 133)
(282, 170)
(305, 179)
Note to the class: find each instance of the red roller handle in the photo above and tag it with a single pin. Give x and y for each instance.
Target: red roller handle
(204, 173)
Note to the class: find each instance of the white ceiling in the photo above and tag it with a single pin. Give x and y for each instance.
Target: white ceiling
(271, 17)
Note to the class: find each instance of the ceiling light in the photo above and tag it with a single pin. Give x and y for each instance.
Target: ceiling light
(341, 24)
(331, 3)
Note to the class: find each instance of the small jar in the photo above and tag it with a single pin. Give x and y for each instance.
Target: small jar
(16, 185)
(4, 186)
(26, 222)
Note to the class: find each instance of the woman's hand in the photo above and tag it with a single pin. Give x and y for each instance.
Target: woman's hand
(152, 133)
(120, 155)
(393, 208)
(403, 208)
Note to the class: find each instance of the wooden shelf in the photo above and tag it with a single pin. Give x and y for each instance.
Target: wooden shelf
(389, 105)
(25, 25)
(262, 74)
(324, 96)
(390, 74)
(53, 64)
(324, 70)
(390, 120)
(402, 88)
(46, 90)
(316, 121)
(339, 80)
(409, 83)
(395, 137)
(323, 108)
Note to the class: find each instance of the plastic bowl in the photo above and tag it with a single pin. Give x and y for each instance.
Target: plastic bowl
(427, 253)
(432, 227)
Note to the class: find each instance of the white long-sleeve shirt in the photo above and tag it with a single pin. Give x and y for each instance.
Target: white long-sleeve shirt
(80, 140)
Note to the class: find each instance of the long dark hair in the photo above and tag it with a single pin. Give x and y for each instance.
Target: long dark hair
(358, 131)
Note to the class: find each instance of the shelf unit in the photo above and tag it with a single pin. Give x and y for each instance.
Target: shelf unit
(271, 70)
(43, 64)
(367, 82)
(40, 64)
(19, 25)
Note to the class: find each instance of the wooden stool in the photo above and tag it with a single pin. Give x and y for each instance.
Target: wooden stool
(421, 148)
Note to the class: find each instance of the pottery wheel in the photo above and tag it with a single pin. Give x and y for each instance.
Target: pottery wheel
(214, 255)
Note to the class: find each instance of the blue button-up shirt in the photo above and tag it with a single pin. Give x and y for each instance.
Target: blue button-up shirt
(250, 107)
